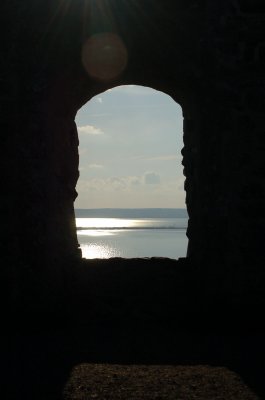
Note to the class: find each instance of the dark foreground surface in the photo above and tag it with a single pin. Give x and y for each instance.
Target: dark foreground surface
(136, 330)
(91, 381)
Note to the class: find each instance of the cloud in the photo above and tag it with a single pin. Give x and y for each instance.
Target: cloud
(120, 88)
(82, 151)
(133, 90)
(151, 178)
(109, 184)
(129, 191)
(118, 183)
(89, 130)
(135, 180)
(164, 158)
(167, 157)
(123, 183)
(95, 166)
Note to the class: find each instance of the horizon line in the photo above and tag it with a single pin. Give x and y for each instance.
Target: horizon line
(131, 208)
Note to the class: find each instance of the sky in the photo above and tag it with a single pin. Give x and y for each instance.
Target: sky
(130, 150)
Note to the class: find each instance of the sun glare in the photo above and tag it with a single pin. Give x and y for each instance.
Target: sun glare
(98, 251)
(95, 232)
(101, 223)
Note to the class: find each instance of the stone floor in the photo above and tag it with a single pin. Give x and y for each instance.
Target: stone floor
(139, 382)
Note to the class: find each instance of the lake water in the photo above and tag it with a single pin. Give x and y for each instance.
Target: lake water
(105, 233)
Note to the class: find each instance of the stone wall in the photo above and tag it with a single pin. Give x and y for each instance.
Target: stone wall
(207, 55)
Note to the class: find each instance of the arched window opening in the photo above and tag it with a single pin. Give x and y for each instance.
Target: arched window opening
(131, 199)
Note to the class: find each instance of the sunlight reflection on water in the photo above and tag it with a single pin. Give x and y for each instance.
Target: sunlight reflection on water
(143, 237)
(98, 251)
(95, 232)
(107, 223)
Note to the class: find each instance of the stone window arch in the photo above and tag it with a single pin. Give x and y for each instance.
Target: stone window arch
(163, 153)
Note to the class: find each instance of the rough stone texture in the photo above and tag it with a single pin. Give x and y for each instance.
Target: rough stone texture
(134, 382)
(208, 55)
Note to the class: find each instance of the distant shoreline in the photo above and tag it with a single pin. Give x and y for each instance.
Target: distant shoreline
(131, 212)
(130, 228)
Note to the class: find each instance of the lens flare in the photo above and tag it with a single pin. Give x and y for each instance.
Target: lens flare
(104, 56)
